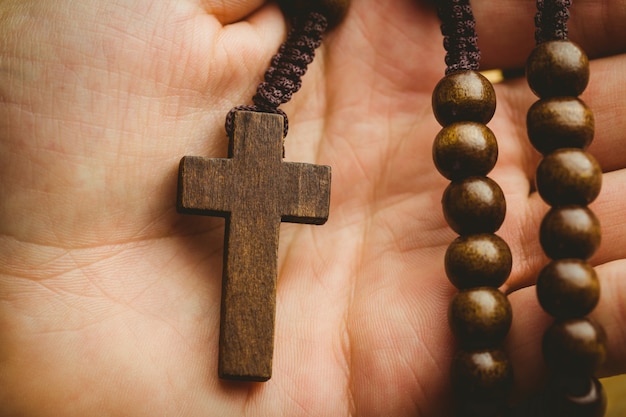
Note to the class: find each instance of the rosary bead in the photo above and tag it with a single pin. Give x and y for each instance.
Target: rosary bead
(482, 260)
(464, 96)
(482, 375)
(570, 232)
(569, 176)
(560, 122)
(334, 10)
(480, 317)
(576, 397)
(474, 205)
(568, 288)
(464, 149)
(574, 346)
(557, 68)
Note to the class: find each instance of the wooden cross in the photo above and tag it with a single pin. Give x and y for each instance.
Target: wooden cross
(255, 191)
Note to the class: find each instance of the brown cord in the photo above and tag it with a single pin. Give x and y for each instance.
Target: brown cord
(551, 20)
(283, 78)
(458, 27)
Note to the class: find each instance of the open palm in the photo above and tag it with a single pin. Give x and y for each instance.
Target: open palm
(109, 299)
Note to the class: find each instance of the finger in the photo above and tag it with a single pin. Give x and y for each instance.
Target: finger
(524, 342)
(611, 314)
(605, 96)
(530, 323)
(246, 47)
(506, 29)
(230, 11)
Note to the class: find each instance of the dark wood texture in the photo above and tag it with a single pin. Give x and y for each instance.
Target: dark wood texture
(576, 397)
(465, 149)
(560, 122)
(482, 380)
(464, 96)
(480, 317)
(254, 190)
(570, 232)
(557, 68)
(568, 288)
(479, 260)
(474, 205)
(569, 176)
(575, 347)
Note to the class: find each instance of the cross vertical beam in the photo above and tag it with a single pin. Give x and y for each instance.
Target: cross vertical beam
(254, 190)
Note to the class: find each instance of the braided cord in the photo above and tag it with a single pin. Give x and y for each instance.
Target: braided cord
(283, 78)
(458, 28)
(551, 20)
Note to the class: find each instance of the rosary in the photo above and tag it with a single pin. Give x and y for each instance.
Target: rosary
(255, 190)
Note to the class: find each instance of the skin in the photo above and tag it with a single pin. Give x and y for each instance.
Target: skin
(109, 299)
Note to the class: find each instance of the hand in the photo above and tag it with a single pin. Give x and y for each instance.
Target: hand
(109, 299)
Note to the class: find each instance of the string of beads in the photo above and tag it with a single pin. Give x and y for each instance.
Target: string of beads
(478, 262)
(561, 126)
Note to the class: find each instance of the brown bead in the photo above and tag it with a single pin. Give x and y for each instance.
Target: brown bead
(569, 176)
(576, 397)
(481, 375)
(482, 260)
(570, 232)
(465, 149)
(474, 205)
(560, 122)
(464, 96)
(575, 346)
(568, 288)
(334, 10)
(480, 317)
(557, 68)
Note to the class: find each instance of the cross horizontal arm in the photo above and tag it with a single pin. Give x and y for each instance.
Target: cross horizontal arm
(305, 193)
(204, 186)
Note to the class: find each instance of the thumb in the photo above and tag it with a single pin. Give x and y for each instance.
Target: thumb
(230, 11)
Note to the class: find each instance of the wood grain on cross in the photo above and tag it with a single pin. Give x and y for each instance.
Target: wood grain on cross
(255, 190)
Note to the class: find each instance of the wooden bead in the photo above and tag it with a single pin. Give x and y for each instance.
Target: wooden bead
(482, 375)
(474, 205)
(480, 317)
(570, 232)
(465, 149)
(557, 68)
(560, 122)
(574, 346)
(568, 288)
(464, 96)
(482, 260)
(576, 397)
(569, 176)
(334, 10)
